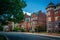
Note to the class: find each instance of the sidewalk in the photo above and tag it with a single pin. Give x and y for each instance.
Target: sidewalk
(53, 34)
(45, 34)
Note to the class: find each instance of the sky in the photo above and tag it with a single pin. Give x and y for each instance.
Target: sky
(36, 5)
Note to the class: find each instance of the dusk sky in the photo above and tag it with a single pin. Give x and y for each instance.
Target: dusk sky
(36, 5)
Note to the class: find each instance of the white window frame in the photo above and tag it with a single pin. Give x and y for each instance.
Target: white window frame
(56, 12)
(49, 19)
(56, 18)
(48, 13)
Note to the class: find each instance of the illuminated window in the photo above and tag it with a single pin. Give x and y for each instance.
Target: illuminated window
(49, 18)
(48, 13)
(56, 18)
(33, 22)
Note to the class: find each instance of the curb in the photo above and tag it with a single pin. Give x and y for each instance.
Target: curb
(43, 35)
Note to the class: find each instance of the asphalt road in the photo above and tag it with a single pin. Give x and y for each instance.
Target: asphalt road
(24, 36)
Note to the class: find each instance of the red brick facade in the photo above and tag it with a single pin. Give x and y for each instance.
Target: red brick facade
(34, 20)
(38, 20)
(26, 22)
(42, 19)
(53, 17)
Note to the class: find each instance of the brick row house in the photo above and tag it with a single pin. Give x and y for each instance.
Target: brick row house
(26, 22)
(36, 19)
(53, 17)
(42, 19)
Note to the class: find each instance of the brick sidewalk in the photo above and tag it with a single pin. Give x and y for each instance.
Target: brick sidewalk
(54, 34)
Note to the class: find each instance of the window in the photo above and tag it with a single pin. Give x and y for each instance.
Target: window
(58, 7)
(56, 18)
(56, 26)
(35, 18)
(49, 9)
(27, 19)
(33, 22)
(49, 18)
(56, 12)
(48, 13)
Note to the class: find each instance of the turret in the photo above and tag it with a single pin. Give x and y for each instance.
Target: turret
(50, 6)
(50, 12)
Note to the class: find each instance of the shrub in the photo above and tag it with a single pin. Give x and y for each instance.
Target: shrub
(1, 28)
(19, 28)
(39, 29)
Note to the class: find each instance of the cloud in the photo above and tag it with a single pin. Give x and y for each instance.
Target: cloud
(27, 13)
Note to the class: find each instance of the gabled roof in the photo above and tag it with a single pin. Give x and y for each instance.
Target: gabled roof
(40, 13)
(33, 14)
(26, 16)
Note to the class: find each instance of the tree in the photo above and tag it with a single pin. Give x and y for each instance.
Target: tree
(1, 28)
(12, 8)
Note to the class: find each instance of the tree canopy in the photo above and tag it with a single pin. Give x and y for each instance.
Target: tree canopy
(12, 8)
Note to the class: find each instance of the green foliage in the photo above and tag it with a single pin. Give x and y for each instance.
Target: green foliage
(39, 29)
(19, 29)
(12, 7)
(1, 28)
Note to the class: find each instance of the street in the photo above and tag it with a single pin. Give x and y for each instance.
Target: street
(25, 36)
